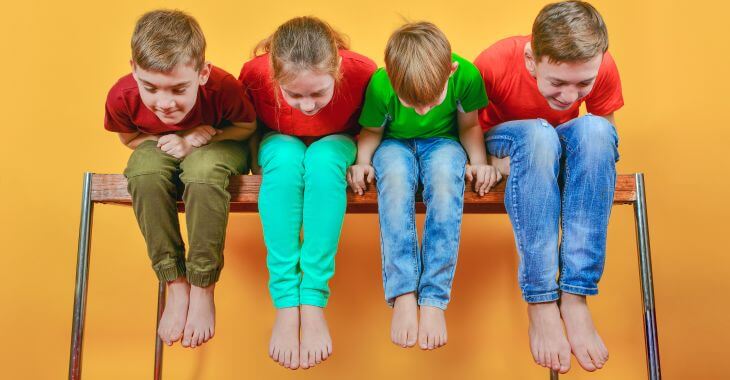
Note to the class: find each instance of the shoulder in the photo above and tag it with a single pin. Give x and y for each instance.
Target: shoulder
(255, 69)
(124, 87)
(352, 61)
(502, 51)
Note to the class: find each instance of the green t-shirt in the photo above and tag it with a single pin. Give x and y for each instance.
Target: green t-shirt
(382, 108)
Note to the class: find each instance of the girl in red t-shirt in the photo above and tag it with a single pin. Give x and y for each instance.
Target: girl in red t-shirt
(307, 88)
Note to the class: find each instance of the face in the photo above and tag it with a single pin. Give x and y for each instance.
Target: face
(170, 95)
(309, 91)
(423, 109)
(562, 84)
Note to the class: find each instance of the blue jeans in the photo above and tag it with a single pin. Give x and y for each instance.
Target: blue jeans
(560, 177)
(438, 164)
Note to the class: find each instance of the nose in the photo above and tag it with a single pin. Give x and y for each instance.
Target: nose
(569, 96)
(165, 103)
(306, 105)
(422, 110)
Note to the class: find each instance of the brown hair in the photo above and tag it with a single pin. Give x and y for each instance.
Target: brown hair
(418, 62)
(164, 38)
(569, 31)
(303, 43)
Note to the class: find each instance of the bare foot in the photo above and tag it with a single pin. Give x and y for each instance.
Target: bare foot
(431, 328)
(404, 325)
(284, 344)
(585, 343)
(316, 343)
(173, 317)
(548, 344)
(200, 325)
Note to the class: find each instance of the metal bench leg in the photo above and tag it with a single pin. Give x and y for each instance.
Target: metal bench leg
(82, 281)
(161, 294)
(647, 286)
(553, 375)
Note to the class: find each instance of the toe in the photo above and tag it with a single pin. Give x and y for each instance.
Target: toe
(294, 360)
(554, 361)
(585, 360)
(564, 358)
(318, 357)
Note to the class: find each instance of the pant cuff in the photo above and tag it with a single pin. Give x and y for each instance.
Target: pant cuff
(432, 302)
(583, 291)
(203, 279)
(314, 301)
(540, 298)
(172, 272)
(285, 302)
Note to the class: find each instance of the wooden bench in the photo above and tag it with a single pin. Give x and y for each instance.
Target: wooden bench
(112, 189)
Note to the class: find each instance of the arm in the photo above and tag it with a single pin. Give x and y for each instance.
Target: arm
(362, 170)
(472, 139)
(133, 139)
(239, 131)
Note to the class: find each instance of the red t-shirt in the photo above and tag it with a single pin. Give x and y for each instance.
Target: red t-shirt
(513, 93)
(338, 116)
(221, 100)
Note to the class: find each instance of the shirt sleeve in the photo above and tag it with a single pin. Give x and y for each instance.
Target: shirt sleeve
(236, 107)
(606, 96)
(375, 107)
(116, 115)
(472, 94)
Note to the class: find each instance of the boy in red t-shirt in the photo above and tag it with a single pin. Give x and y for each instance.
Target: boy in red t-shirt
(185, 120)
(561, 166)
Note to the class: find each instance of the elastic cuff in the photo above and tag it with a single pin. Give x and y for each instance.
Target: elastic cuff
(170, 273)
(539, 298)
(313, 297)
(433, 303)
(285, 302)
(572, 289)
(203, 279)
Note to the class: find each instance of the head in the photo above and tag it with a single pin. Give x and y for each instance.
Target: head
(305, 62)
(168, 63)
(418, 62)
(569, 40)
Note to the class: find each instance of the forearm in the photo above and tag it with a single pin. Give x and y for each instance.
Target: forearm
(472, 140)
(238, 131)
(367, 143)
(132, 140)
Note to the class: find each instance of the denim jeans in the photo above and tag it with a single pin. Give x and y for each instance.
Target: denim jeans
(560, 178)
(438, 164)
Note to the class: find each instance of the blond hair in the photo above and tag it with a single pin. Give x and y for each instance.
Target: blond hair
(301, 44)
(164, 38)
(418, 62)
(569, 31)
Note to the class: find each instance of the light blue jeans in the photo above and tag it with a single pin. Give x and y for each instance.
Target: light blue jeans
(560, 178)
(438, 164)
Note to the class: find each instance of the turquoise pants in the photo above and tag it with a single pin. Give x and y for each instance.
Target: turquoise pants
(302, 204)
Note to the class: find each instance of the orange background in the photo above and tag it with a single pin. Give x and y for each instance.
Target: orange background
(60, 58)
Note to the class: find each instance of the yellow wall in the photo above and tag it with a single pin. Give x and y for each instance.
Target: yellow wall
(60, 58)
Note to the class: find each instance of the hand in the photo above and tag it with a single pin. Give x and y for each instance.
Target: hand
(200, 135)
(174, 145)
(486, 177)
(357, 175)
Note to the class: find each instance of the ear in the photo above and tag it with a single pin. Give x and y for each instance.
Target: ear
(134, 68)
(204, 73)
(530, 63)
(454, 66)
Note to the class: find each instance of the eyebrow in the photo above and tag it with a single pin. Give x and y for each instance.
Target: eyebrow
(321, 90)
(563, 81)
(181, 84)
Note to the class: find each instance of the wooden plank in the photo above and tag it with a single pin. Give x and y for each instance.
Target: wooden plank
(244, 189)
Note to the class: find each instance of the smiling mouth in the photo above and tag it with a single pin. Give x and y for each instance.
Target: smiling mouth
(561, 104)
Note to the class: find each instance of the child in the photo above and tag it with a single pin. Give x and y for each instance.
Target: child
(562, 169)
(185, 119)
(423, 106)
(307, 87)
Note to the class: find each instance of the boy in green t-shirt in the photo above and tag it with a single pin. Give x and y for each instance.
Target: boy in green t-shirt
(423, 106)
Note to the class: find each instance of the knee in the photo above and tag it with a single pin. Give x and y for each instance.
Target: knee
(592, 135)
(205, 170)
(541, 144)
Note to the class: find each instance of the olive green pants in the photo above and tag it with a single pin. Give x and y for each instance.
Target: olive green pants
(155, 179)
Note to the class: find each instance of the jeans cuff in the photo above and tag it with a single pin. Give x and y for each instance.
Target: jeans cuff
(172, 272)
(580, 290)
(432, 302)
(203, 279)
(540, 298)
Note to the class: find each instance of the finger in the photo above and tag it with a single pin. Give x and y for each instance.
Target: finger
(371, 175)
(492, 181)
(481, 178)
(468, 174)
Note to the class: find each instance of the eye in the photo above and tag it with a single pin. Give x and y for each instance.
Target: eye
(585, 84)
(556, 84)
(179, 91)
(151, 90)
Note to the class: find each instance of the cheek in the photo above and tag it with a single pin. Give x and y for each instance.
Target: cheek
(548, 90)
